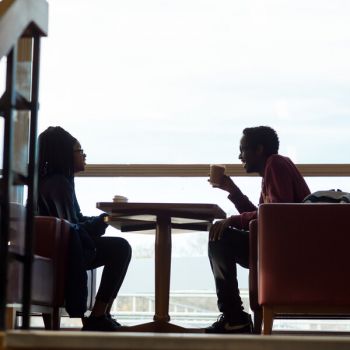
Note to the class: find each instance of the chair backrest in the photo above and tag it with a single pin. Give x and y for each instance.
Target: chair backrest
(51, 252)
(52, 242)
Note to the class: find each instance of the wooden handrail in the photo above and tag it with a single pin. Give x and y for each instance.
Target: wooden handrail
(198, 170)
(21, 18)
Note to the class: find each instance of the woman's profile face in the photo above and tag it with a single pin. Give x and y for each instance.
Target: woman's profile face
(78, 158)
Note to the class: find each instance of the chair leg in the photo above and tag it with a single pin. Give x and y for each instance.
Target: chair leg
(47, 318)
(258, 316)
(11, 317)
(56, 319)
(268, 316)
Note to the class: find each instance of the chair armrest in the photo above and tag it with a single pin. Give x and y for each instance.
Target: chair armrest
(303, 254)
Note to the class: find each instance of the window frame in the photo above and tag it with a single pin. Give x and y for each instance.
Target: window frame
(200, 170)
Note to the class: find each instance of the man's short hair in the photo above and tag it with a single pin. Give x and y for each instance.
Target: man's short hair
(262, 135)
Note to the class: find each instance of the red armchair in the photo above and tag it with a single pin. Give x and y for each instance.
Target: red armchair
(49, 273)
(303, 261)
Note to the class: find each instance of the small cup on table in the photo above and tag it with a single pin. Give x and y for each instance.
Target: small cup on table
(119, 199)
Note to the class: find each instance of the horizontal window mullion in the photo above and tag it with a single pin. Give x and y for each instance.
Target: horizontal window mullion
(199, 170)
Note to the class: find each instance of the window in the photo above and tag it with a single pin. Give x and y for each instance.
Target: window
(162, 81)
(192, 295)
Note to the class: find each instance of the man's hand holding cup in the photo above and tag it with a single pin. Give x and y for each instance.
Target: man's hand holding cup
(219, 179)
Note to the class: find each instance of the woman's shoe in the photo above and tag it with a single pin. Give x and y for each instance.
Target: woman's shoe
(100, 324)
(109, 316)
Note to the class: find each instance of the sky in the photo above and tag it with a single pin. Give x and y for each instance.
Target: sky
(163, 81)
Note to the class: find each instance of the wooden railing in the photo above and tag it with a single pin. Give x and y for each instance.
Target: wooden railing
(19, 18)
(199, 170)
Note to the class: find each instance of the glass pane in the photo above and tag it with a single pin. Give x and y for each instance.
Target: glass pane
(193, 298)
(176, 81)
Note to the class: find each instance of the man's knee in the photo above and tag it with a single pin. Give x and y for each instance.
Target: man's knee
(225, 248)
(216, 249)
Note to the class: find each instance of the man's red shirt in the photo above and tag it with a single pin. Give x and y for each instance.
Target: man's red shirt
(281, 183)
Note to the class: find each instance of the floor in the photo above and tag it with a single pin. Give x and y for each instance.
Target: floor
(45, 340)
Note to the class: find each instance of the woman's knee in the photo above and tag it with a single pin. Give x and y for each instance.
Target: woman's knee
(122, 248)
(114, 248)
(126, 248)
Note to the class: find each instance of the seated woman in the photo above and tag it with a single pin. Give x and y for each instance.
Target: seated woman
(60, 157)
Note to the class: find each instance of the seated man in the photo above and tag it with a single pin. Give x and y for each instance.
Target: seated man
(229, 238)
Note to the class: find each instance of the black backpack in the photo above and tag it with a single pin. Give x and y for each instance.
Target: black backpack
(330, 196)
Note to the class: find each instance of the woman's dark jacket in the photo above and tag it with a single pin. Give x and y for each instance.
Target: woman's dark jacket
(57, 198)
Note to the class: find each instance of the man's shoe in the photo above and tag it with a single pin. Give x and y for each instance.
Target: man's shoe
(223, 325)
(100, 324)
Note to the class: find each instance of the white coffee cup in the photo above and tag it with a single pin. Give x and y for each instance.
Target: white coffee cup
(119, 199)
(217, 171)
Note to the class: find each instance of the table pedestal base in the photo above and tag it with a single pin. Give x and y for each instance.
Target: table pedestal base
(160, 327)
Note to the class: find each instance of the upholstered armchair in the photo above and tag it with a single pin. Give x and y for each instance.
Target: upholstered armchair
(303, 261)
(49, 274)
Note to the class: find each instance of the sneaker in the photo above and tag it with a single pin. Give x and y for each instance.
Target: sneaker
(226, 326)
(100, 324)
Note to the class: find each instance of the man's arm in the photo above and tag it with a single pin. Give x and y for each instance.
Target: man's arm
(241, 221)
(241, 201)
(247, 210)
(279, 188)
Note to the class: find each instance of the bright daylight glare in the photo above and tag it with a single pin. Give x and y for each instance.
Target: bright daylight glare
(164, 81)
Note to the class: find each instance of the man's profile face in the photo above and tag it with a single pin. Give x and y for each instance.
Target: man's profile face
(250, 157)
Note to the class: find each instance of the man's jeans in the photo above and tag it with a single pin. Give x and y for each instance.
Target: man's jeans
(224, 254)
